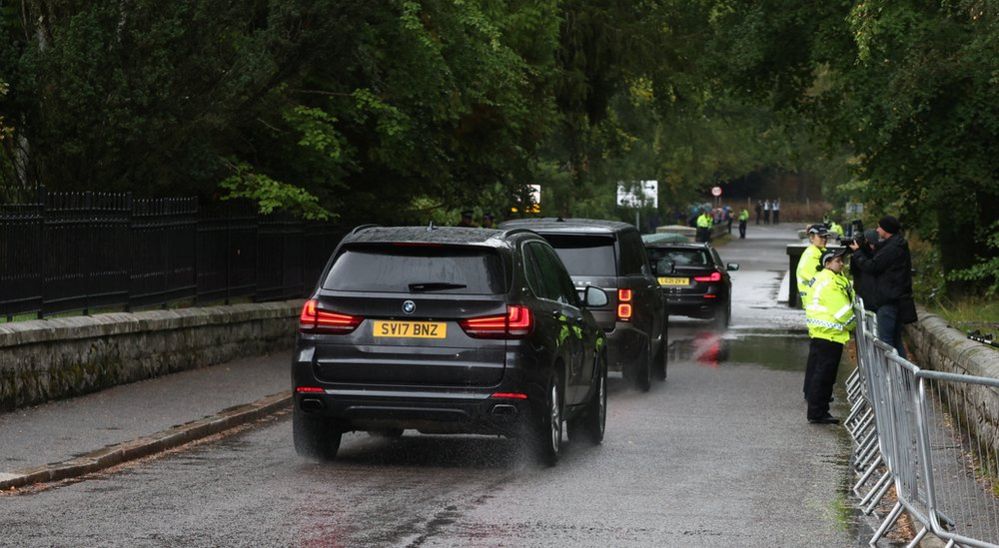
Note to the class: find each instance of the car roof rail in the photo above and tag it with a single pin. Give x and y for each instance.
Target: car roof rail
(359, 228)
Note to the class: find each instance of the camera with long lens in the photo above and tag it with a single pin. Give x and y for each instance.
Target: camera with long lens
(858, 239)
(856, 235)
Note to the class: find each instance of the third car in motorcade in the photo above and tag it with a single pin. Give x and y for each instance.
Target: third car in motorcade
(694, 279)
(448, 330)
(610, 255)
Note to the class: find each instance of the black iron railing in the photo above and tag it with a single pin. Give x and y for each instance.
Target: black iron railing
(86, 250)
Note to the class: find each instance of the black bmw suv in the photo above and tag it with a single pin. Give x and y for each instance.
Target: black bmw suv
(448, 330)
(610, 255)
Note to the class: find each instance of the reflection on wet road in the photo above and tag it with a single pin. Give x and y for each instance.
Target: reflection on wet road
(713, 349)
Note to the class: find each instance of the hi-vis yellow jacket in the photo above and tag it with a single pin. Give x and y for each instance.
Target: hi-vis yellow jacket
(829, 312)
(808, 266)
(704, 221)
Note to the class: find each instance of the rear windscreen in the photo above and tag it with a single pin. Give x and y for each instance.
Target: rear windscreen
(585, 255)
(681, 257)
(415, 269)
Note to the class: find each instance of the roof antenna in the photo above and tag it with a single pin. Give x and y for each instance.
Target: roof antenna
(431, 226)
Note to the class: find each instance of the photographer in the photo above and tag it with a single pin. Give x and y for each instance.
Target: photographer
(891, 268)
(864, 283)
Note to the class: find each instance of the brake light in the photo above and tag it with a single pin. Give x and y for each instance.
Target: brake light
(624, 311)
(624, 308)
(517, 322)
(314, 320)
(713, 277)
(309, 390)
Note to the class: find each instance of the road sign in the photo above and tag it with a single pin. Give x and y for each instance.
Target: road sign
(638, 194)
(535, 195)
(716, 191)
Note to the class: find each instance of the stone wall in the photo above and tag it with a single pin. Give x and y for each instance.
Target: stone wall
(45, 360)
(940, 347)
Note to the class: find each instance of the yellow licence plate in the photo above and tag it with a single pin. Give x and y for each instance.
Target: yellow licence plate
(674, 281)
(410, 330)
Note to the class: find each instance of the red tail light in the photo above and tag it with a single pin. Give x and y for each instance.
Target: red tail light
(713, 277)
(509, 396)
(309, 390)
(517, 322)
(624, 308)
(314, 320)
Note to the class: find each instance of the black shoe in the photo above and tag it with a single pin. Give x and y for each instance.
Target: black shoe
(828, 419)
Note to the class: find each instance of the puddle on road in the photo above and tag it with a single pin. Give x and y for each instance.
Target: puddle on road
(781, 352)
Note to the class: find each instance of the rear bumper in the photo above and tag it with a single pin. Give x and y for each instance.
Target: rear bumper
(430, 409)
(626, 345)
(694, 305)
(448, 413)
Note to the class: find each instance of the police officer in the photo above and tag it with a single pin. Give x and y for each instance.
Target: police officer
(835, 228)
(704, 224)
(809, 263)
(466, 218)
(808, 266)
(743, 221)
(830, 319)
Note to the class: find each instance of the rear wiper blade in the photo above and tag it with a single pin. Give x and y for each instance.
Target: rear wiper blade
(435, 286)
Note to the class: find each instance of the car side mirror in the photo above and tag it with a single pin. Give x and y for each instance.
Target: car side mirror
(664, 266)
(595, 297)
(732, 266)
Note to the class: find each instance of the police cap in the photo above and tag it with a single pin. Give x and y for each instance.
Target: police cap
(832, 254)
(818, 229)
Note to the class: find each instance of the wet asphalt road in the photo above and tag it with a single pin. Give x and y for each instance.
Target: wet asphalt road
(718, 455)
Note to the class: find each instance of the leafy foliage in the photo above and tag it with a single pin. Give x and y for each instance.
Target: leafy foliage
(986, 269)
(405, 111)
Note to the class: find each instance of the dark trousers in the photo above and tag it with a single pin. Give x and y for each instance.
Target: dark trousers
(742, 230)
(758, 216)
(703, 234)
(823, 364)
(889, 328)
(776, 217)
(766, 216)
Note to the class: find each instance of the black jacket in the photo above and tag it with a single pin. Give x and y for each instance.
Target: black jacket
(891, 267)
(863, 282)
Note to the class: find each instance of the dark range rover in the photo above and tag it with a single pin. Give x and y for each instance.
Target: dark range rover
(610, 255)
(448, 330)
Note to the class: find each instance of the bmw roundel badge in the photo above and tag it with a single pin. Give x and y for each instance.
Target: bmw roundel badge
(408, 307)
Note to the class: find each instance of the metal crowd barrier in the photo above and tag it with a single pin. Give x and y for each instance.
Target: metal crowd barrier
(912, 431)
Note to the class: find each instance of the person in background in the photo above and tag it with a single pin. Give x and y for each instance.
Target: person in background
(743, 221)
(776, 211)
(835, 228)
(759, 210)
(728, 218)
(704, 224)
(488, 221)
(466, 219)
(766, 212)
(891, 267)
(830, 319)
